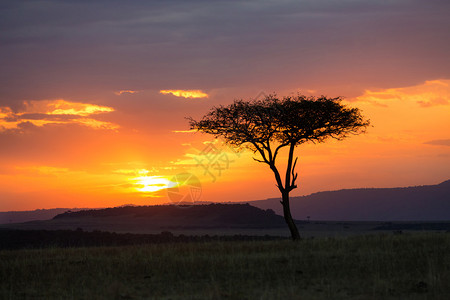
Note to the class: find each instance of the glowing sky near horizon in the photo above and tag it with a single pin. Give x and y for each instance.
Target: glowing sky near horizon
(94, 95)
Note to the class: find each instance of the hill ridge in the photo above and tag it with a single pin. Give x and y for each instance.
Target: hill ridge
(161, 217)
(414, 203)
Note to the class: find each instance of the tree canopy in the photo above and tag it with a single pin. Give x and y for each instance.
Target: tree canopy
(287, 121)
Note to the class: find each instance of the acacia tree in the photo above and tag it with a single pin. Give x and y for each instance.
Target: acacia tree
(266, 126)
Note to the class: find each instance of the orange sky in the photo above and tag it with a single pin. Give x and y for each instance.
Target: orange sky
(93, 115)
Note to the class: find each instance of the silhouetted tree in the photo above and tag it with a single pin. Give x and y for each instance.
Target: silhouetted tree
(268, 125)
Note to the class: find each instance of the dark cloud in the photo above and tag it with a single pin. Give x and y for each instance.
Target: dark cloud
(433, 102)
(85, 48)
(40, 116)
(439, 142)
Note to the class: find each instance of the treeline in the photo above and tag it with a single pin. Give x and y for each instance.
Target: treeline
(21, 239)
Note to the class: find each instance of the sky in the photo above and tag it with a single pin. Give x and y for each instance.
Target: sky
(94, 96)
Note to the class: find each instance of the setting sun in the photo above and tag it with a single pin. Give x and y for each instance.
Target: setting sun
(151, 184)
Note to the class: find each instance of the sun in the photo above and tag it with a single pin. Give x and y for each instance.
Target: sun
(151, 184)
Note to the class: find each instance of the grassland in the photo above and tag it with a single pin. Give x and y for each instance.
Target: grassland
(404, 266)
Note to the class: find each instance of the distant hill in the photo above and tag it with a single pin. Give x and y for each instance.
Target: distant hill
(210, 215)
(418, 203)
(7, 217)
(10, 217)
(161, 217)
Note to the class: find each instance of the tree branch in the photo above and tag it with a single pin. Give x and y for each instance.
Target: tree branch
(278, 148)
(289, 168)
(259, 160)
(261, 151)
(294, 176)
(278, 178)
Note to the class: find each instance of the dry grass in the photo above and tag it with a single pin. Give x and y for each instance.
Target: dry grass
(407, 266)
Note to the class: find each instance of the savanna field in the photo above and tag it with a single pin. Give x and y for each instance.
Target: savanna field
(383, 266)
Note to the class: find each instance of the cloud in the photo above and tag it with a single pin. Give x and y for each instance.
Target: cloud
(118, 93)
(134, 172)
(439, 142)
(96, 124)
(185, 131)
(185, 93)
(42, 170)
(62, 107)
(149, 44)
(428, 94)
(40, 113)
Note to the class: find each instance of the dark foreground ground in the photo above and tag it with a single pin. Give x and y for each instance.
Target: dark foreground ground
(382, 266)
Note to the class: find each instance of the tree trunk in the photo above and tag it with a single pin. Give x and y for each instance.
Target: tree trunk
(288, 217)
